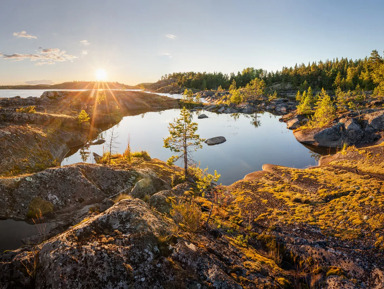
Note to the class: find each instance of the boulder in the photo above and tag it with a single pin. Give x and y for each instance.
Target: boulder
(215, 140)
(248, 109)
(210, 107)
(208, 93)
(281, 109)
(202, 116)
(354, 132)
(142, 188)
(306, 136)
(161, 201)
(97, 142)
(230, 110)
(294, 123)
(375, 120)
(331, 136)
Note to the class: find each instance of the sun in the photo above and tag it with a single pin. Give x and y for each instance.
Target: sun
(101, 74)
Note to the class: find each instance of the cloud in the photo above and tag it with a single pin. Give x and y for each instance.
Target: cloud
(170, 36)
(84, 52)
(43, 81)
(85, 42)
(42, 57)
(24, 34)
(167, 54)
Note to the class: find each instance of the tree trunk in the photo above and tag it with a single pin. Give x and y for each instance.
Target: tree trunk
(185, 162)
(185, 148)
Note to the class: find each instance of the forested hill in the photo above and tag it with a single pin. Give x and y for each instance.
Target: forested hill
(71, 85)
(346, 74)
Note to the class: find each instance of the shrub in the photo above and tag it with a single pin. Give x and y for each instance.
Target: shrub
(83, 116)
(28, 109)
(236, 97)
(305, 106)
(187, 215)
(142, 154)
(325, 111)
(38, 206)
(335, 271)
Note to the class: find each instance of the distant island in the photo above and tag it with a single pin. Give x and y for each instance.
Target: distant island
(70, 85)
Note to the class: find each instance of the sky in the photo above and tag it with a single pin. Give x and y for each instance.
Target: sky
(135, 41)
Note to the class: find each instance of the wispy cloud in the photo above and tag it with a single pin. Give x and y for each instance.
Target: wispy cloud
(166, 54)
(84, 52)
(170, 36)
(85, 42)
(43, 81)
(42, 57)
(24, 34)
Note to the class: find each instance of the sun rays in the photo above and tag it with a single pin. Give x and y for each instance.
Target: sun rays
(101, 74)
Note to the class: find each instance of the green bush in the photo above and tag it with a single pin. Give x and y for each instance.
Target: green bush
(142, 154)
(28, 109)
(83, 116)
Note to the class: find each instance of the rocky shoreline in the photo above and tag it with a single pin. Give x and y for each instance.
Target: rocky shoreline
(31, 141)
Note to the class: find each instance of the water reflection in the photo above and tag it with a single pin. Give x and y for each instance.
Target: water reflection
(252, 140)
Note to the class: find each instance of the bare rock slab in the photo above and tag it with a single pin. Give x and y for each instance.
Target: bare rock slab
(215, 140)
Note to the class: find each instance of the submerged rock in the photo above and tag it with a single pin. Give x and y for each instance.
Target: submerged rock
(215, 140)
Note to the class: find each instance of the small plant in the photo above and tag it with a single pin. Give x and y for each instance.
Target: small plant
(187, 215)
(28, 109)
(83, 117)
(38, 207)
(335, 271)
(188, 96)
(122, 197)
(127, 153)
(236, 96)
(272, 96)
(143, 154)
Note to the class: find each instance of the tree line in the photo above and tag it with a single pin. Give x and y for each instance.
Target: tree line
(345, 74)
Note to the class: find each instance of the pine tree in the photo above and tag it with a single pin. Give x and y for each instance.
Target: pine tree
(236, 97)
(305, 106)
(183, 138)
(298, 96)
(188, 95)
(325, 111)
(232, 86)
(83, 117)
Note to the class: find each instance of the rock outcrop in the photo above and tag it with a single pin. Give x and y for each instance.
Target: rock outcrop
(319, 227)
(360, 131)
(215, 140)
(30, 142)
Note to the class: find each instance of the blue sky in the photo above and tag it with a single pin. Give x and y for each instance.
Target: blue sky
(139, 41)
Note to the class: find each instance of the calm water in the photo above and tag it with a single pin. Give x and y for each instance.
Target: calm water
(24, 93)
(12, 232)
(252, 140)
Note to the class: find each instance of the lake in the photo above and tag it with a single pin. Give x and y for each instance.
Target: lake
(24, 93)
(252, 140)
